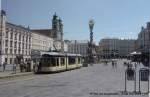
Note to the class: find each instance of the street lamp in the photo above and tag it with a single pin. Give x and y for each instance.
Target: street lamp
(91, 25)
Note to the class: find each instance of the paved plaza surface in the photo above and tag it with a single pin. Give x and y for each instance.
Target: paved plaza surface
(99, 80)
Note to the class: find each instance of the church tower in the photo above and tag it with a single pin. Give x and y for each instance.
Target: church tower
(55, 27)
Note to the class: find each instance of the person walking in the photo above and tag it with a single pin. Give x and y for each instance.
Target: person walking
(113, 65)
(4, 66)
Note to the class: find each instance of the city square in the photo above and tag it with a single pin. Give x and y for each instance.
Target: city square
(70, 48)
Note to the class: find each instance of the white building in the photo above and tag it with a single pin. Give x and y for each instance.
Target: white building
(15, 42)
(78, 47)
(41, 42)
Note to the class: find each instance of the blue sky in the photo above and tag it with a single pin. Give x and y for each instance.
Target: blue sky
(113, 18)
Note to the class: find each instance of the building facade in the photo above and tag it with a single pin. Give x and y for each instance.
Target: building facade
(2, 35)
(109, 48)
(78, 47)
(143, 40)
(41, 42)
(15, 42)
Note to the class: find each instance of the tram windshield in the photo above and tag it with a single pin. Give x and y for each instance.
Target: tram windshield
(48, 61)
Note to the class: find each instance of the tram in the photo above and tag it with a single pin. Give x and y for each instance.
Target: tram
(51, 62)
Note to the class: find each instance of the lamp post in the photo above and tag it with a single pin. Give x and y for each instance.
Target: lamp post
(91, 25)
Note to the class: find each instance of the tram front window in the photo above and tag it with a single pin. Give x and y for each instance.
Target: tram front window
(48, 62)
(52, 62)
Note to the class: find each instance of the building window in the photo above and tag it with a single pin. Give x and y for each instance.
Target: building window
(29, 52)
(19, 51)
(11, 35)
(6, 60)
(10, 60)
(27, 39)
(22, 45)
(16, 36)
(20, 37)
(15, 60)
(15, 51)
(11, 51)
(6, 34)
(15, 44)
(22, 51)
(29, 46)
(19, 45)
(11, 43)
(6, 50)
(26, 46)
(6, 43)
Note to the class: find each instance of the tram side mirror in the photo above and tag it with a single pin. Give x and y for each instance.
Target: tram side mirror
(130, 74)
(144, 75)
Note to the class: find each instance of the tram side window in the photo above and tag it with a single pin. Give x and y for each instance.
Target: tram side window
(71, 60)
(53, 62)
(62, 61)
(44, 61)
(57, 61)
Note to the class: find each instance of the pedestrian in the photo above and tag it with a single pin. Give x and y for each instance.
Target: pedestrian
(113, 65)
(125, 64)
(4, 66)
(21, 67)
(14, 68)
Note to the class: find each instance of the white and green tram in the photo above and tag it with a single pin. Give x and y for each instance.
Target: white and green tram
(50, 62)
